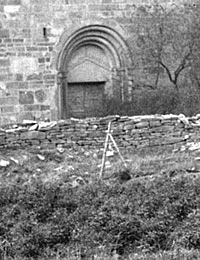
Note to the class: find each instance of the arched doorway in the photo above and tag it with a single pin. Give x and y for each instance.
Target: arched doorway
(85, 66)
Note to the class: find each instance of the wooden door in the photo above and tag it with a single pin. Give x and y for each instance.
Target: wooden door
(85, 99)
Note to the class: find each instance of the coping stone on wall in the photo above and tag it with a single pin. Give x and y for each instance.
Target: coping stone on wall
(135, 131)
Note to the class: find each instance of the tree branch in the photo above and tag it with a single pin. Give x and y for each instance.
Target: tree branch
(167, 70)
(181, 67)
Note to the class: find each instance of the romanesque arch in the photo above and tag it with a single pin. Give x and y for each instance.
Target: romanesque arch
(85, 65)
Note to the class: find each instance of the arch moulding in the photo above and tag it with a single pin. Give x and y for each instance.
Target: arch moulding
(106, 39)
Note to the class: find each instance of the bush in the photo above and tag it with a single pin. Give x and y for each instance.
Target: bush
(37, 220)
(159, 101)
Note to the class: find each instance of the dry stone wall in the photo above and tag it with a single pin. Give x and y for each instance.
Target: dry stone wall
(129, 132)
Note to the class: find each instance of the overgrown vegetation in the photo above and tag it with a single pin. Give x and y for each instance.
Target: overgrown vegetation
(156, 101)
(154, 219)
(166, 59)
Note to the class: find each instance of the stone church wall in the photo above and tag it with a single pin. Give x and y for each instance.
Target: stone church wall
(33, 34)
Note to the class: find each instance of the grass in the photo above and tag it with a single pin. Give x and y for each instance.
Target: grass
(179, 254)
(43, 217)
(156, 163)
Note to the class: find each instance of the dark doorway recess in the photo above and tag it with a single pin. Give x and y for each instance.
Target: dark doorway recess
(85, 99)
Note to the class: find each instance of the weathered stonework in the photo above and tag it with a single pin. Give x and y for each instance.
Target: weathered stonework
(129, 132)
(44, 45)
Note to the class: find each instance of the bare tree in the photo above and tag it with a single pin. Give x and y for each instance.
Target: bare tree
(166, 39)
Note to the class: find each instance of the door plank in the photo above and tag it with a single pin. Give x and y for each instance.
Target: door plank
(85, 99)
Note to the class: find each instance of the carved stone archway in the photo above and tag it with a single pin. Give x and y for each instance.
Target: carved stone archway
(85, 65)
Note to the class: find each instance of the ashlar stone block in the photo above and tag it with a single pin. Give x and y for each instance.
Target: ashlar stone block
(26, 97)
(22, 65)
